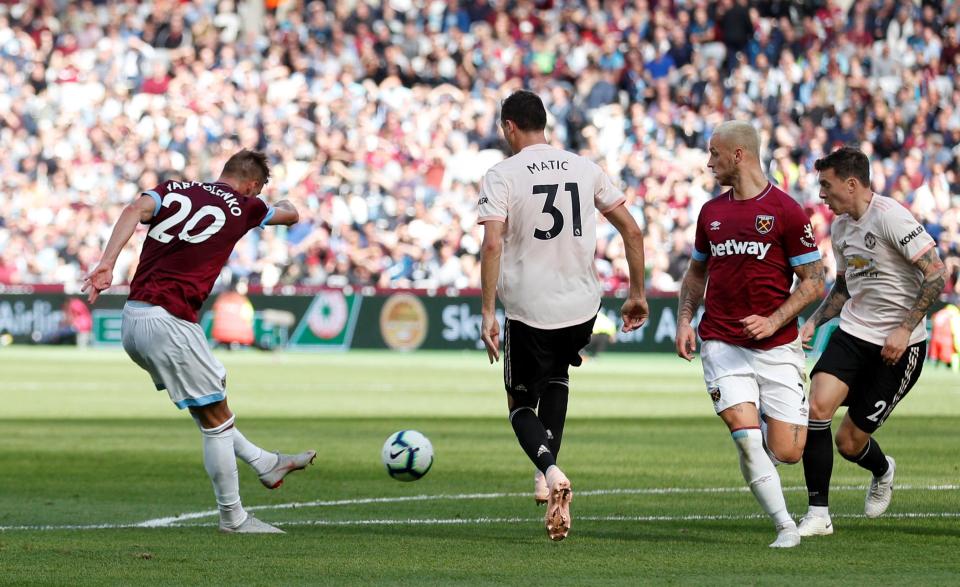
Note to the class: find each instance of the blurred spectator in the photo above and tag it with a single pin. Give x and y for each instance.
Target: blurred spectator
(76, 325)
(379, 118)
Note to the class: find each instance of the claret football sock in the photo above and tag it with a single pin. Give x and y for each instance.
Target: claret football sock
(262, 461)
(532, 437)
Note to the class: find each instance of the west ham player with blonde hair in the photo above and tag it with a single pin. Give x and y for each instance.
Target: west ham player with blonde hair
(538, 209)
(750, 243)
(888, 276)
(193, 229)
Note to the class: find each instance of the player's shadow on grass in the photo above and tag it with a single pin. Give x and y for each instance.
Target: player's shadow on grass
(895, 526)
(659, 532)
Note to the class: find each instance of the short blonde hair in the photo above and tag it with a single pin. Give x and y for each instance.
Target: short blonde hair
(739, 133)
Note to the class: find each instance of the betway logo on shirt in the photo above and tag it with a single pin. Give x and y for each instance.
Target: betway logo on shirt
(734, 247)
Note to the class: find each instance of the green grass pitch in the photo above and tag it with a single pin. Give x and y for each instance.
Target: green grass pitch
(96, 467)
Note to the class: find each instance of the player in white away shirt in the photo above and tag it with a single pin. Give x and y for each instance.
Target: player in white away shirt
(538, 211)
(888, 276)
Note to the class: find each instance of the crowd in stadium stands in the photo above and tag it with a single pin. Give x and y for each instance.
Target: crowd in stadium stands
(380, 118)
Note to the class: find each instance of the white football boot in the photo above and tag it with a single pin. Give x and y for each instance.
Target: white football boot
(880, 492)
(815, 525)
(787, 536)
(251, 525)
(286, 464)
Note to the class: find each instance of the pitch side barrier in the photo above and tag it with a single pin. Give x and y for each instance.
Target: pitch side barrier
(335, 319)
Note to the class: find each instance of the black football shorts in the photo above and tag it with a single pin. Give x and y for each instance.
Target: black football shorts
(875, 387)
(533, 356)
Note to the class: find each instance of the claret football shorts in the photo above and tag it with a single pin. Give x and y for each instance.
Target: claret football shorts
(175, 353)
(772, 379)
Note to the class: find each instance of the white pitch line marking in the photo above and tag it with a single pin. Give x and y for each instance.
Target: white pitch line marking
(513, 520)
(466, 521)
(177, 521)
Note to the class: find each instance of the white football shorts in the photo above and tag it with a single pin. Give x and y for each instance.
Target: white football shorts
(773, 379)
(175, 353)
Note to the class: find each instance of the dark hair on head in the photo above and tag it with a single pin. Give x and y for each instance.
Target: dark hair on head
(525, 109)
(847, 162)
(246, 165)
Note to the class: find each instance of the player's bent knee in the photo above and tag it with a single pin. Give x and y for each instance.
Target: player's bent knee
(521, 400)
(212, 415)
(791, 457)
(820, 409)
(849, 447)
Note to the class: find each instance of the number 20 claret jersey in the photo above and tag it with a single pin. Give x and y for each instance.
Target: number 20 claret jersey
(548, 199)
(751, 247)
(193, 231)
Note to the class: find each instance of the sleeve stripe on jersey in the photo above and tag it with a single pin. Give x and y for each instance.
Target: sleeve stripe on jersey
(483, 219)
(698, 256)
(805, 258)
(270, 212)
(619, 203)
(922, 251)
(156, 199)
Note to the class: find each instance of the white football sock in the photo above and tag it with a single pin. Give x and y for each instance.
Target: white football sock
(261, 460)
(760, 474)
(221, 466)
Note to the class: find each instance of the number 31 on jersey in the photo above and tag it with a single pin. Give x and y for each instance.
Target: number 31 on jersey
(548, 208)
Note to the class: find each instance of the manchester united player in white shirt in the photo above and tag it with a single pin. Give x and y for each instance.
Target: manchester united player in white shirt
(888, 276)
(538, 211)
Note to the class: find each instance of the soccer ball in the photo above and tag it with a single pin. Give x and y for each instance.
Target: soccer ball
(407, 455)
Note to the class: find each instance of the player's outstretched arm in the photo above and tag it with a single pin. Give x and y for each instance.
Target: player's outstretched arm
(829, 308)
(490, 252)
(934, 278)
(284, 213)
(101, 276)
(691, 296)
(635, 309)
(809, 289)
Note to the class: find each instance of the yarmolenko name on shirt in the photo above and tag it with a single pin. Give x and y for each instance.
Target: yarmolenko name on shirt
(229, 197)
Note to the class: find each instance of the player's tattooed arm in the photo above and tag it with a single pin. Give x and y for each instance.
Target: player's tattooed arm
(934, 278)
(833, 303)
(692, 288)
(809, 289)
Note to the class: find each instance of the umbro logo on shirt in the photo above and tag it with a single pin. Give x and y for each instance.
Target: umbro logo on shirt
(715, 225)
